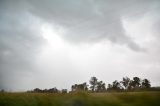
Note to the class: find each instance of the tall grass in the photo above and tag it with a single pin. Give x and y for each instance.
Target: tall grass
(81, 99)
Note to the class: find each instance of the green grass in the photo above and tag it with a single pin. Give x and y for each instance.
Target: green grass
(81, 99)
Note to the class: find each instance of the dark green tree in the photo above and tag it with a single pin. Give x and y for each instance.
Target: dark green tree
(80, 87)
(93, 81)
(131, 85)
(116, 85)
(136, 82)
(125, 82)
(101, 86)
(146, 83)
(64, 91)
(109, 87)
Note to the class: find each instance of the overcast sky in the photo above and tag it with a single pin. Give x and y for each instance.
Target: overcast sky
(48, 43)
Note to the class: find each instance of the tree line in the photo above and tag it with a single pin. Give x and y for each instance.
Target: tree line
(51, 90)
(126, 84)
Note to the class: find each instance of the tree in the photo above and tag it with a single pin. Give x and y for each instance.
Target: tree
(136, 82)
(101, 86)
(116, 85)
(2, 90)
(64, 91)
(37, 90)
(109, 87)
(93, 82)
(146, 83)
(85, 86)
(125, 82)
(80, 87)
(131, 85)
(74, 87)
(52, 90)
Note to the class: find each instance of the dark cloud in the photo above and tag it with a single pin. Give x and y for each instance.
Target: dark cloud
(88, 21)
(19, 44)
(91, 20)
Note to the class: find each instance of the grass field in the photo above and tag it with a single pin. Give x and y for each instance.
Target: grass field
(81, 99)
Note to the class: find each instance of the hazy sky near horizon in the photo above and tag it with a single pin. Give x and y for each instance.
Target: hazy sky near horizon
(57, 43)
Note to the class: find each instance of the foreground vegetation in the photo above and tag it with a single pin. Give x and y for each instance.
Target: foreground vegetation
(81, 99)
(127, 92)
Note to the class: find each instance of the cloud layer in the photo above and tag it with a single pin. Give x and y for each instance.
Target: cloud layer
(92, 21)
(88, 37)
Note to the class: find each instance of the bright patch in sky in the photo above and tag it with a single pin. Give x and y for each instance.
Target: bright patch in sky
(52, 35)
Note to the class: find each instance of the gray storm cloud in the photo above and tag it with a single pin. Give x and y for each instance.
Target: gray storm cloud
(85, 22)
(88, 21)
(91, 20)
(19, 42)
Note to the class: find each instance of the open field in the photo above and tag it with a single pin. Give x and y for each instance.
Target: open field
(81, 99)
